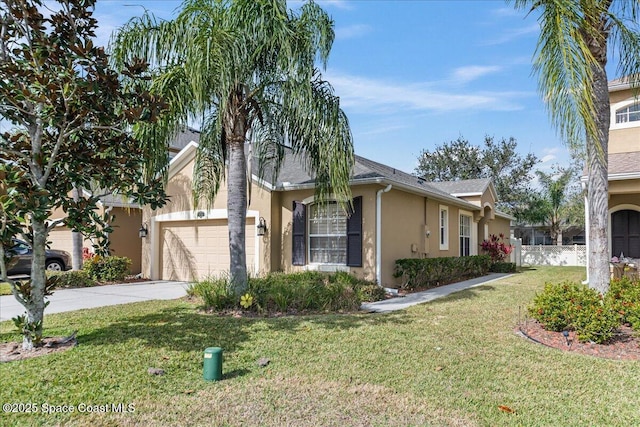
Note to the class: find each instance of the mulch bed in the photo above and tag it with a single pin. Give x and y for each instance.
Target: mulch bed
(12, 351)
(625, 345)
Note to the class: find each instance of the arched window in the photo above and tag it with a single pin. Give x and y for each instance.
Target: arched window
(627, 114)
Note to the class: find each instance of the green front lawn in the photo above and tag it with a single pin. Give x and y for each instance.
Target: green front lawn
(5, 288)
(450, 362)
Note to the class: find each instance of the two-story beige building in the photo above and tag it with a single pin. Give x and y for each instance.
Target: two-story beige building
(395, 215)
(624, 170)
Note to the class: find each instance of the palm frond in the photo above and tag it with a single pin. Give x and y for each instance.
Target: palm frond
(210, 168)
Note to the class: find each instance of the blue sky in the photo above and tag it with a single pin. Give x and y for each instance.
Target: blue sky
(413, 75)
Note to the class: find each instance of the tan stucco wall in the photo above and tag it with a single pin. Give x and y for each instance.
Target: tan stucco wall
(124, 238)
(406, 217)
(626, 186)
(624, 140)
(499, 226)
(285, 208)
(624, 199)
(627, 139)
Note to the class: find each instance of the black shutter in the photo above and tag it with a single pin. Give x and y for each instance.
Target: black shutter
(354, 235)
(299, 248)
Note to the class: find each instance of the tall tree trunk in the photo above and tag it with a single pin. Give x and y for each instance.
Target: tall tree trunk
(237, 207)
(34, 303)
(76, 238)
(598, 186)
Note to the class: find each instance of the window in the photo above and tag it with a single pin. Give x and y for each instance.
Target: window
(444, 228)
(327, 234)
(465, 235)
(628, 114)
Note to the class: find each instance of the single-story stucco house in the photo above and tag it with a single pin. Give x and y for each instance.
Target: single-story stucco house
(396, 215)
(624, 170)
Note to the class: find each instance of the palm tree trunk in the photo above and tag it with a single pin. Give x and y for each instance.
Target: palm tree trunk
(237, 207)
(598, 186)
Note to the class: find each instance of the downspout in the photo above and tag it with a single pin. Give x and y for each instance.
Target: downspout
(379, 233)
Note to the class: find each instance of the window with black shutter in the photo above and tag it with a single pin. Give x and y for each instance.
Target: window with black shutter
(299, 250)
(354, 235)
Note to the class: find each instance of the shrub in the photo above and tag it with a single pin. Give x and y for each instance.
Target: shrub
(291, 292)
(420, 273)
(593, 319)
(214, 292)
(624, 297)
(503, 267)
(496, 248)
(107, 269)
(572, 306)
(72, 279)
(551, 307)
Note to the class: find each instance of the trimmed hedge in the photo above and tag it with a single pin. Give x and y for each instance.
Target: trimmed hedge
(71, 279)
(107, 269)
(503, 267)
(424, 273)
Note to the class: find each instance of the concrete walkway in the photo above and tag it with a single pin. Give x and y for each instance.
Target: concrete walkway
(98, 296)
(401, 303)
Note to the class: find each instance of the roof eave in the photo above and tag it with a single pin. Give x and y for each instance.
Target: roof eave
(386, 181)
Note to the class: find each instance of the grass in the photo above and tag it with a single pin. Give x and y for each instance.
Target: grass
(449, 362)
(5, 288)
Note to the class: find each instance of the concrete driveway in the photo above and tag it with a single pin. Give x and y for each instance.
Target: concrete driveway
(98, 296)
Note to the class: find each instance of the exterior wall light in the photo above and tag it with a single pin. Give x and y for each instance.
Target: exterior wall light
(262, 227)
(142, 233)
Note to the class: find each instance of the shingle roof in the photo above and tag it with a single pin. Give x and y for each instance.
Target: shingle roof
(624, 162)
(468, 186)
(182, 139)
(294, 174)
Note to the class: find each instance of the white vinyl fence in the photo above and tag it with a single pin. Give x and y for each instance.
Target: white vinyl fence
(564, 255)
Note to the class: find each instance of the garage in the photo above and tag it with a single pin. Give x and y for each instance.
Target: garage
(193, 250)
(60, 238)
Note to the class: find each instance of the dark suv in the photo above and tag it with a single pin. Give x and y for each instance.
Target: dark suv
(56, 260)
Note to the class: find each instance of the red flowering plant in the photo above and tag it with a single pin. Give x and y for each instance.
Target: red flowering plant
(496, 248)
(86, 254)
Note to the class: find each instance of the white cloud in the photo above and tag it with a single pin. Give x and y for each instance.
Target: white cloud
(509, 35)
(506, 12)
(352, 31)
(372, 95)
(472, 72)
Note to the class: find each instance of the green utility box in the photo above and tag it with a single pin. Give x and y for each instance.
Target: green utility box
(213, 364)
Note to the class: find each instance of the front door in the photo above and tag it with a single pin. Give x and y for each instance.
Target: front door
(625, 233)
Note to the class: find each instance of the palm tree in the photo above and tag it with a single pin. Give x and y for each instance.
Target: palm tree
(552, 202)
(247, 70)
(570, 61)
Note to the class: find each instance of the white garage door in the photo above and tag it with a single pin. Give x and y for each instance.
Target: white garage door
(193, 250)
(60, 238)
